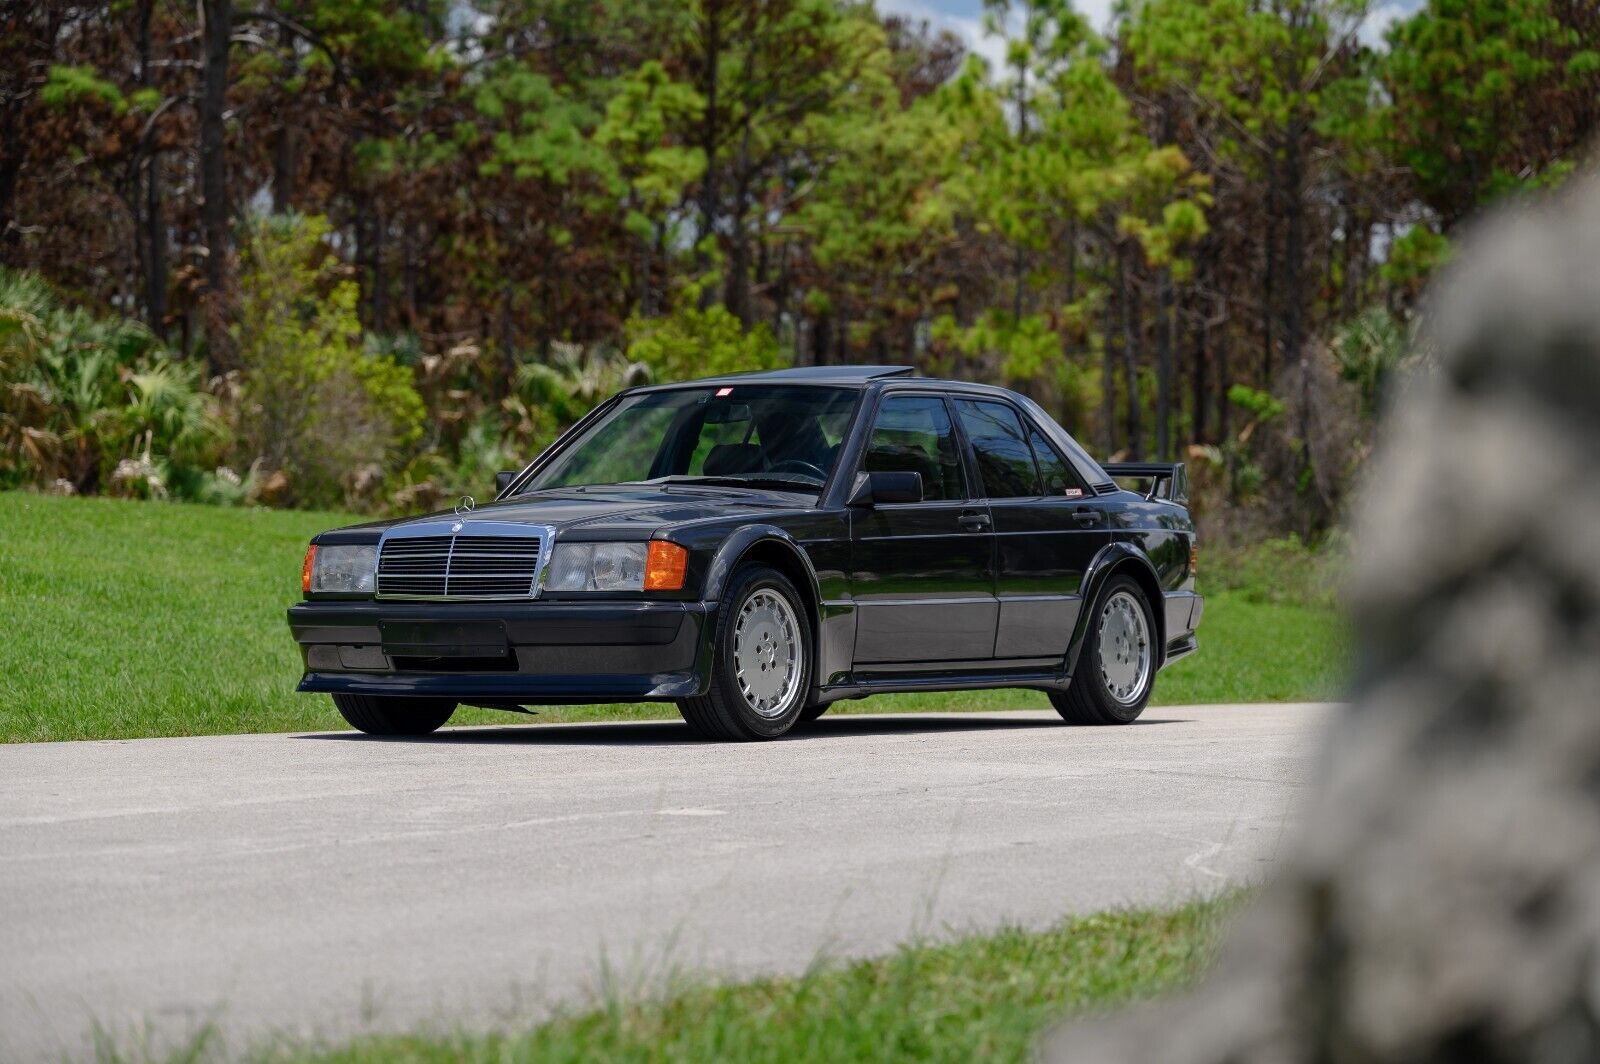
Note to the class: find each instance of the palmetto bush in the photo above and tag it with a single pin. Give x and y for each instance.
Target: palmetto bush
(317, 414)
(93, 403)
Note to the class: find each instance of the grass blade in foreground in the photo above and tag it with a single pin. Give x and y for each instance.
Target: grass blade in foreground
(980, 998)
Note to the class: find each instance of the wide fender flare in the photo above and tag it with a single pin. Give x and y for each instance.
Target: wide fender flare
(1114, 558)
(739, 544)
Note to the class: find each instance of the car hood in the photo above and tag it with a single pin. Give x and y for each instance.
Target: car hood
(624, 512)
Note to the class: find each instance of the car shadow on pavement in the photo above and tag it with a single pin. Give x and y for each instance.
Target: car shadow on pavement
(674, 733)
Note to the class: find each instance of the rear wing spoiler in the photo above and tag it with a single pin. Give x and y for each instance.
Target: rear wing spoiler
(1168, 480)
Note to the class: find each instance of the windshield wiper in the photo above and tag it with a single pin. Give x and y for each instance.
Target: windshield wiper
(753, 480)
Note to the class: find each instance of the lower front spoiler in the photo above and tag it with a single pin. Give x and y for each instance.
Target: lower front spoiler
(510, 688)
(504, 653)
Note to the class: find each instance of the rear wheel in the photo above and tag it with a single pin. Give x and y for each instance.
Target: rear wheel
(761, 661)
(380, 715)
(1117, 668)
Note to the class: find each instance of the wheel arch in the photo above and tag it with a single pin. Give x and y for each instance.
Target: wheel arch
(1119, 559)
(767, 545)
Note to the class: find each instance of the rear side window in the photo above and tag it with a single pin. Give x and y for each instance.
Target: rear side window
(1004, 459)
(913, 434)
(1058, 477)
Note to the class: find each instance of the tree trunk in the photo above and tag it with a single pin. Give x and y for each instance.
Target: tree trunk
(1294, 301)
(283, 156)
(1199, 394)
(217, 30)
(1224, 382)
(155, 257)
(1108, 379)
(362, 210)
(508, 341)
(154, 237)
(1164, 340)
(1132, 315)
(822, 341)
(780, 294)
(1019, 264)
(709, 131)
(1294, 216)
(1072, 260)
(736, 293)
(380, 300)
(408, 276)
(658, 303)
(1269, 278)
(13, 149)
(1347, 305)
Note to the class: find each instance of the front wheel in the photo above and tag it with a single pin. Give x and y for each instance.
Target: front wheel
(1117, 668)
(379, 715)
(813, 711)
(761, 661)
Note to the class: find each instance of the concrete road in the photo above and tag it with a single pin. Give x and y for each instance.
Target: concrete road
(323, 885)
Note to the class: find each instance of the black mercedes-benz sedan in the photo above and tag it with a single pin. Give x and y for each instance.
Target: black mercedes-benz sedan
(757, 547)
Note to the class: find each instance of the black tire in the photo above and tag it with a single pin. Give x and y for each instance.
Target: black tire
(812, 712)
(725, 712)
(380, 715)
(1090, 699)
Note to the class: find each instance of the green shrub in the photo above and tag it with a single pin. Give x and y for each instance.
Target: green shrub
(328, 419)
(694, 341)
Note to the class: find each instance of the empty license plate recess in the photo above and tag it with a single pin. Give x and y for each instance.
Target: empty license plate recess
(444, 639)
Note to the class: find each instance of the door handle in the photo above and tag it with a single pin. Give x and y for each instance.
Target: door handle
(974, 522)
(1086, 516)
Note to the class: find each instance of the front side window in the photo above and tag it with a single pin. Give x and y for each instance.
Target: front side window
(913, 434)
(1004, 460)
(769, 434)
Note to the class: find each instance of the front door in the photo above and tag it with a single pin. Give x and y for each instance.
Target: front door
(922, 573)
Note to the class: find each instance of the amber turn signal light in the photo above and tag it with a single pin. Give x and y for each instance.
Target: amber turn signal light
(664, 567)
(305, 569)
(1194, 559)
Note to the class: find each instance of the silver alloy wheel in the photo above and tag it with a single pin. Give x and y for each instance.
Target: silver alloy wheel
(1124, 648)
(767, 652)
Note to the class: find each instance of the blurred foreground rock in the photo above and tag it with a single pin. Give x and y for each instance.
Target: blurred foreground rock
(1444, 903)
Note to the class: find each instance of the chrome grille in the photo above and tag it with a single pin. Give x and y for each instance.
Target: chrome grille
(468, 565)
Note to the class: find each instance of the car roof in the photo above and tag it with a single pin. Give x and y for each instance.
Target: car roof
(838, 375)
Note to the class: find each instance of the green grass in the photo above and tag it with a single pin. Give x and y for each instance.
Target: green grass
(987, 997)
(128, 619)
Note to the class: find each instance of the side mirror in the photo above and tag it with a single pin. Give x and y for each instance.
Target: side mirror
(884, 487)
(502, 481)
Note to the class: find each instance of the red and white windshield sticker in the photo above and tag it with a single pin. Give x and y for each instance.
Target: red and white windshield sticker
(723, 393)
(1073, 493)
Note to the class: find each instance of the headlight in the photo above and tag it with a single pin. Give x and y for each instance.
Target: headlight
(653, 566)
(347, 570)
(597, 567)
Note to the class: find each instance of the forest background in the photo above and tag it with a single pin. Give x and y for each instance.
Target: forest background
(361, 254)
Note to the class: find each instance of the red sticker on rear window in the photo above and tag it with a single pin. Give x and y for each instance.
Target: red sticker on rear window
(1073, 493)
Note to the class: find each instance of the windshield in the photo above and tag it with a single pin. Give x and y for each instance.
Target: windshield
(757, 434)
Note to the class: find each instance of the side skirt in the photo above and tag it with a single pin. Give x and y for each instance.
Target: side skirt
(1042, 674)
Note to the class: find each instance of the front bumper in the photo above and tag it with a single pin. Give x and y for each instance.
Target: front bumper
(510, 652)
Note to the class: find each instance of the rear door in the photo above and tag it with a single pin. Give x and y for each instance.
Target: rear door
(1048, 528)
(922, 573)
